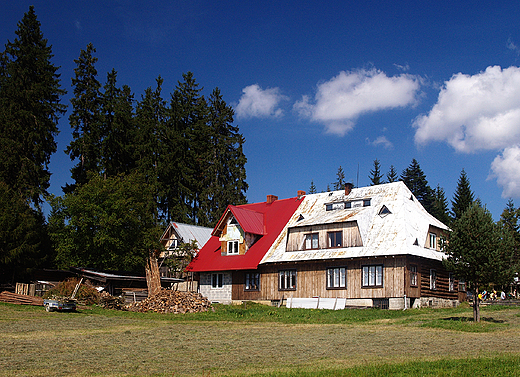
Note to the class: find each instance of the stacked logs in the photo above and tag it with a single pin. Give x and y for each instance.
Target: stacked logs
(168, 301)
(111, 302)
(14, 298)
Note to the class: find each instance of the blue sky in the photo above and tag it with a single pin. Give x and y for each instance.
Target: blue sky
(318, 85)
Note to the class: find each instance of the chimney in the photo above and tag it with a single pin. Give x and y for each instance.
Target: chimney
(301, 193)
(271, 198)
(348, 188)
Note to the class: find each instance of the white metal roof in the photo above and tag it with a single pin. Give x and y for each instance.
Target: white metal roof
(382, 235)
(187, 233)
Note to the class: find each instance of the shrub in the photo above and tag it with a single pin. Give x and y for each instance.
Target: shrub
(86, 292)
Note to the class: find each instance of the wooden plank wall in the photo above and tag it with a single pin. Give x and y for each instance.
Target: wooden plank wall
(311, 280)
(351, 235)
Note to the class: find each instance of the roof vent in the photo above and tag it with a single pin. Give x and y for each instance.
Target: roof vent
(416, 243)
(384, 211)
(271, 199)
(300, 218)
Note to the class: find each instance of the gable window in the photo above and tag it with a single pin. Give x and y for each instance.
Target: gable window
(311, 241)
(413, 276)
(217, 280)
(433, 280)
(232, 247)
(433, 241)
(373, 276)
(287, 280)
(335, 239)
(336, 277)
(252, 281)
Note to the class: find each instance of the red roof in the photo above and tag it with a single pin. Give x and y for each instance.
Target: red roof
(265, 219)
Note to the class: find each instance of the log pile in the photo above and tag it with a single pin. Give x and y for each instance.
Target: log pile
(14, 298)
(111, 302)
(168, 301)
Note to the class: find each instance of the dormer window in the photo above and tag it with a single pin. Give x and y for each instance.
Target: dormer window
(232, 247)
(366, 202)
(433, 241)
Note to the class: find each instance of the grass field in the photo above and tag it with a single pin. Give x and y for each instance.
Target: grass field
(259, 341)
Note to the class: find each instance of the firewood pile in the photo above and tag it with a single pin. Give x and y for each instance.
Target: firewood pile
(111, 302)
(168, 301)
(14, 298)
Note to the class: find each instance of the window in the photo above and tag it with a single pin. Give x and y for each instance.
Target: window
(366, 202)
(217, 280)
(335, 239)
(232, 247)
(451, 284)
(311, 241)
(287, 280)
(373, 276)
(413, 276)
(433, 241)
(252, 281)
(433, 280)
(462, 285)
(337, 277)
(348, 205)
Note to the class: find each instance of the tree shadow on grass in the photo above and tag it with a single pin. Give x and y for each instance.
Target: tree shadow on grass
(470, 319)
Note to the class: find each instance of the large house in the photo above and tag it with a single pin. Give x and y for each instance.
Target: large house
(369, 246)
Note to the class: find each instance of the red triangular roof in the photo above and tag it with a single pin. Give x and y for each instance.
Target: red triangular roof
(274, 216)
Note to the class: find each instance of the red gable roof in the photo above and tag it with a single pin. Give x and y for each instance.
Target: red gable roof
(274, 215)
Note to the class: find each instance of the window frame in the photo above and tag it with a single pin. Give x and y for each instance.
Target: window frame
(337, 274)
(311, 235)
(237, 249)
(249, 278)
(217, 280)
(413, 276)
(335, 233)
(287, 277)
(433, 236)
(433, 279)
(366, 276)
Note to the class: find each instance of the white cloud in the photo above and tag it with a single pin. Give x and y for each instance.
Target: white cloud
(381, 140)
(341, 100)
(506, 169)
(479, 112)
(259, 103)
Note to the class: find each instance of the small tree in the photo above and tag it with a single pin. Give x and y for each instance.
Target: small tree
(392, 176)
(340, 179)
(480, 252)
(312, 189)
(376, 177)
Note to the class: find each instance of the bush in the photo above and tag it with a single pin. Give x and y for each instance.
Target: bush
(86, 292)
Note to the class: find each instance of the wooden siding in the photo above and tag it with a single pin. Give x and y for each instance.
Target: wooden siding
(350, 235)
(311, 280)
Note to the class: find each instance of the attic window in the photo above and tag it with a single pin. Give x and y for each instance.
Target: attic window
(233, 221)
(384, 211)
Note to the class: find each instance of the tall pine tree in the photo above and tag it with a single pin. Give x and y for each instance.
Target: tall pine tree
(340, 179)
(415, 179)
(86, 118)
(376, 177)
(440, 206)
(29, 110)
(392, 176)
(463, 196)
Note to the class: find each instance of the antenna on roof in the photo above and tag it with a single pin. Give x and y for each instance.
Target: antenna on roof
(357, 180)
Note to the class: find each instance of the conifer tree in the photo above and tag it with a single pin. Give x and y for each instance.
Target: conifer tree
(376, 177)
(392, 176)
(312, 189)
(340, 179)
(463, 196)
(415, 179)
(29, 110)
(85, 119)
(440, 206)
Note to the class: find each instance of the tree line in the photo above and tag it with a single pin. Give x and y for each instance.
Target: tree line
(138, 163)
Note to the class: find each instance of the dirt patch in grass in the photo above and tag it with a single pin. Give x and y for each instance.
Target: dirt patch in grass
(83, 344)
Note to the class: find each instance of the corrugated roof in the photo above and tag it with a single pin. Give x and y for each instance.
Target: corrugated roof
(275, 217)
(188, 233)
(385, 235)
(250, 221)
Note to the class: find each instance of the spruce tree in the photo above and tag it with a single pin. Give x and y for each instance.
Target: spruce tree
(415, 179)
(376, 177)
(312, 189)
(463, 196)
(440, 206)
(86, 118)
(340, 179)
(29, 110)
(392, 176)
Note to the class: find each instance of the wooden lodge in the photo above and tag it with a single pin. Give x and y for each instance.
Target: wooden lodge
(371, 246)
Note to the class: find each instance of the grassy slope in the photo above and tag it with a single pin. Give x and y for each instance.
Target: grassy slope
(259, 339)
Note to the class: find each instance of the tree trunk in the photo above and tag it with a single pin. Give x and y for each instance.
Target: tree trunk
(153, 277)
(476, 306)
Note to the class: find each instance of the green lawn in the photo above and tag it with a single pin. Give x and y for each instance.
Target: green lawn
(258, 340)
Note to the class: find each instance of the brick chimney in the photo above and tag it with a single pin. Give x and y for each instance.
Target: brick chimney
(348, 188)
(301, 193)
(271, 198)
